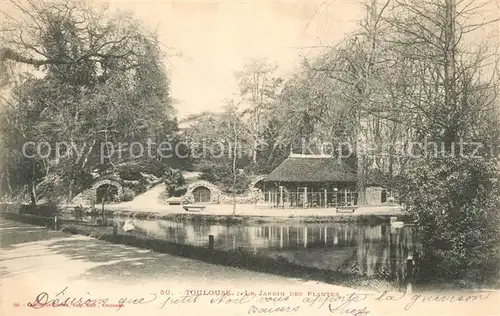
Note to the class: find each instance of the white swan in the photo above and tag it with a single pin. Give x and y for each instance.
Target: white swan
(128, 226)
(395, 223)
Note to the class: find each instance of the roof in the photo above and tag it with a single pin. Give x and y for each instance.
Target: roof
(377, 178)
(312, 168)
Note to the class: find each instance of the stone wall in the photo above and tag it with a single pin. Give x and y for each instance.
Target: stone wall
(254, 195)
(215, 193)
(91, 193)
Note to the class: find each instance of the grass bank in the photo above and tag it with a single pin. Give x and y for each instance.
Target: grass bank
(68, 212)
(249, 219)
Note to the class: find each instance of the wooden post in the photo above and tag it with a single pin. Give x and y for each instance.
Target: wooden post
(56, 224)
(326, 199)
(281, 197)
(305, 197)
(326, 235)
(211, 242)
(115, 229)
(305, 237)
(335, 190)
(281, 237)
(409, 274)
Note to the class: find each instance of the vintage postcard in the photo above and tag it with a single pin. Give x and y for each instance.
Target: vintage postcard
(250, 157)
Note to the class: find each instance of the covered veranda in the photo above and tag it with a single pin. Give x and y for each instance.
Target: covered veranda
(307, 181)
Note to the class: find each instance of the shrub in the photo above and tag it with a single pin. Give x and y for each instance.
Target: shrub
(222, 177)
(174, 178)
(128, 195)
(178, 192)
(130, 172)
(138, 187)
(455, 202)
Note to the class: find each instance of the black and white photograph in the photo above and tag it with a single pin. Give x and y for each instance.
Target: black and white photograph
(250, 157)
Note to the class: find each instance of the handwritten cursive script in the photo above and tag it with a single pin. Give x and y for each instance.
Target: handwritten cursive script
(353, 303)
(269, 310)
(446, 298)
(43, 299)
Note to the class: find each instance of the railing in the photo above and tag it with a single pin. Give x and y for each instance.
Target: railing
(311, 199)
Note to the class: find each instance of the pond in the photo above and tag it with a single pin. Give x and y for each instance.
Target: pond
(371, 250)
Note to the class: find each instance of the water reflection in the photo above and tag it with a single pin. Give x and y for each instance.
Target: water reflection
(362, 249)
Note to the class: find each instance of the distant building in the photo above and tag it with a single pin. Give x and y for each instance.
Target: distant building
(304, 181)
(309, 181)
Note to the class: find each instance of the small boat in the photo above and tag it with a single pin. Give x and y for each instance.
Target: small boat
(128, 226)
(395, 223)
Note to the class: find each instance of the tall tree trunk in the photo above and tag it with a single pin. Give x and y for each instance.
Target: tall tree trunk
(70, 190)
(361, 184)
(255, 141)
(33, 193)
(450, 133)
(9, 185)
(234, 169)
(33, 188)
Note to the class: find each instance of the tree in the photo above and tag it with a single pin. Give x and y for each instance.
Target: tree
(452, 194)
(408, 75)
(100, 79)
(220, 140)
(258, 87)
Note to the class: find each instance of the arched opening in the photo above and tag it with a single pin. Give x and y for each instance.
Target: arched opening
(259, 184)
(106, 192)
(201, 195)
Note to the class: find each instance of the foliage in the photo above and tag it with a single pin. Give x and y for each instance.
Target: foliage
(127, 195)
(452, 193)
(455, 202)
(174, 178)
(130, 172)
(100, 78)
(222, 177)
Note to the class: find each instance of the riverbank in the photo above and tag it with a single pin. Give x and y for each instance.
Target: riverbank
(237, 258)
(218, 213)
(250, 213)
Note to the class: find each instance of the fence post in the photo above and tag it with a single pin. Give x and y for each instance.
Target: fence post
(409, 274)
(211, 242)
(115, 229)
(56, 223)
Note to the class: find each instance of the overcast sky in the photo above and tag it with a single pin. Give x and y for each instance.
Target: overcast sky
(216, 38)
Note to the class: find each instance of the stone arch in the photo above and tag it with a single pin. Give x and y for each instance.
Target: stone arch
(255, 193)
(98, 184)
(252, 185)
(214, 191)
